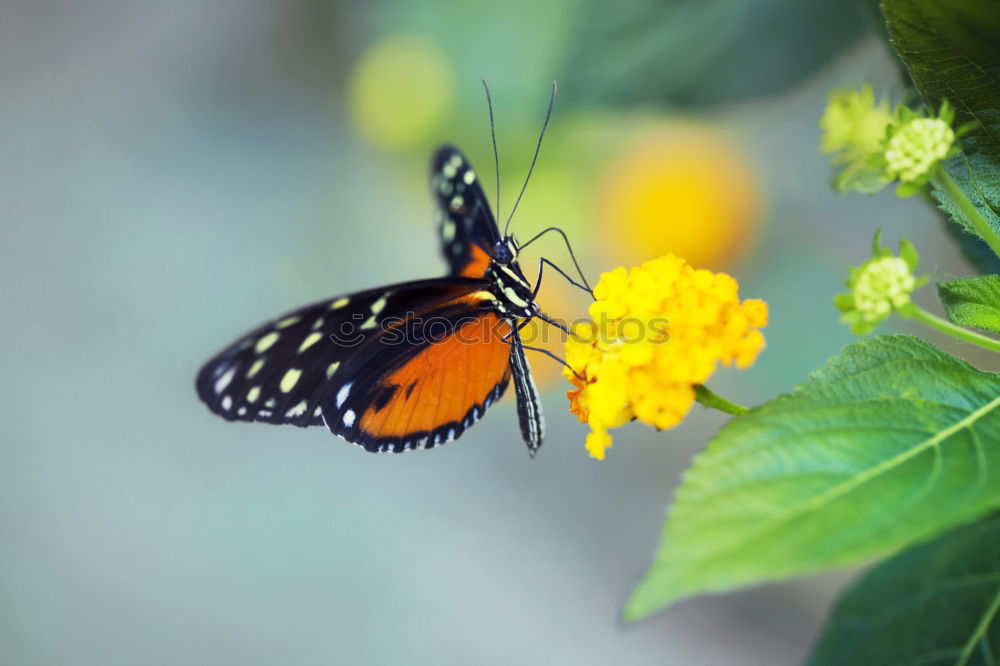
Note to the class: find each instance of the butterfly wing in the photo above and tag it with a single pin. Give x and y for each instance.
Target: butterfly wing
(278, 373)
(453, 365)
(465, 222)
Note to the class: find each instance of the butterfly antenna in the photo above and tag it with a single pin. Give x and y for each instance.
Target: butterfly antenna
(493, 135)
(548, 114)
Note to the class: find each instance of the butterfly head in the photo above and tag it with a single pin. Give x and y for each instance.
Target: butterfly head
(505, 251)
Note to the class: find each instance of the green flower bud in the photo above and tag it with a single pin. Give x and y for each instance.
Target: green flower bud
(917, 147)
(854, 127)
(883, 284)
(879, 287)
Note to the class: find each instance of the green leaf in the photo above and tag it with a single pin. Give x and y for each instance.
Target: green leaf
(932, 604)
(978, 176)
(974, 248)
(697, 52)
(893, 441)
(973, 302)
(951, 49)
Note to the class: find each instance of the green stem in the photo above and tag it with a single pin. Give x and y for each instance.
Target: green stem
(979, 223)
(914, 311)
(709, 398)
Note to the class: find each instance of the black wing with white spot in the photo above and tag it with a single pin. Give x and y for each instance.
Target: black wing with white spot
(428, 392)
(278, 372)
(465, 221)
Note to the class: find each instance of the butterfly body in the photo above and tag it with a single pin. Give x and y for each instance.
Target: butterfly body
(401, 367)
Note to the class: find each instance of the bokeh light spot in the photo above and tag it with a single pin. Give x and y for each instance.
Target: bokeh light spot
(684, 190)
(400, 91)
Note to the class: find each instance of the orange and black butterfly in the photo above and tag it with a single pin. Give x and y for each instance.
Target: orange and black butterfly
(406, 366)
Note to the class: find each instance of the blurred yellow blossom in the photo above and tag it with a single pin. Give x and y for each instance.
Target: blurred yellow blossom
(657, 331)
(680, 188)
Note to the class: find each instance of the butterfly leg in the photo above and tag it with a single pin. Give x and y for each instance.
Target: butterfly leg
(542, 261)
(524, 323)
(555, 358)
(572, 255)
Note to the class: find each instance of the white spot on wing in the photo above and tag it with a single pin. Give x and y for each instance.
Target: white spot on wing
(469, 177)
(227, 403)
(222, 382)
(342, 394)
(349, 418)
(297, 410)
(448, 231)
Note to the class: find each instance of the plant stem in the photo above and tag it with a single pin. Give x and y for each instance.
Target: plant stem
(914, 311)
(979, 223)
(709, 398)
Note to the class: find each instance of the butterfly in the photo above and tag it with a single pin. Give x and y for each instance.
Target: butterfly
(405, 366)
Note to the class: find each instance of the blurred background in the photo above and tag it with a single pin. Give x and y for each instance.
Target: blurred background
(173, 173)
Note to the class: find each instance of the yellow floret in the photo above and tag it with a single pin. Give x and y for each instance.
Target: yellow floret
(659, 329)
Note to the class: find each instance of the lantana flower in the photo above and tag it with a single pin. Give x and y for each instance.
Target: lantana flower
(658, 332)
(876, 146)
(880, 286)
(916, 145)
(854, 129)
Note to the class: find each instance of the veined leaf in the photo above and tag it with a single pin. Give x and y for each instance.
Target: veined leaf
(933, 604)
(973, 302)
(951, 49)
(893, 441)
(978, 176)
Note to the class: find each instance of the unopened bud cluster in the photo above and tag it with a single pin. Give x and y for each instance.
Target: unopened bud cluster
(917, 146)
(884, 283)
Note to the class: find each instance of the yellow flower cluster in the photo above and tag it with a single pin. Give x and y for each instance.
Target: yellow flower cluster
(657, 331)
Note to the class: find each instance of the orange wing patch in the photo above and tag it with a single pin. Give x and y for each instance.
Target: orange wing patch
(444, 382)
(479, 261)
